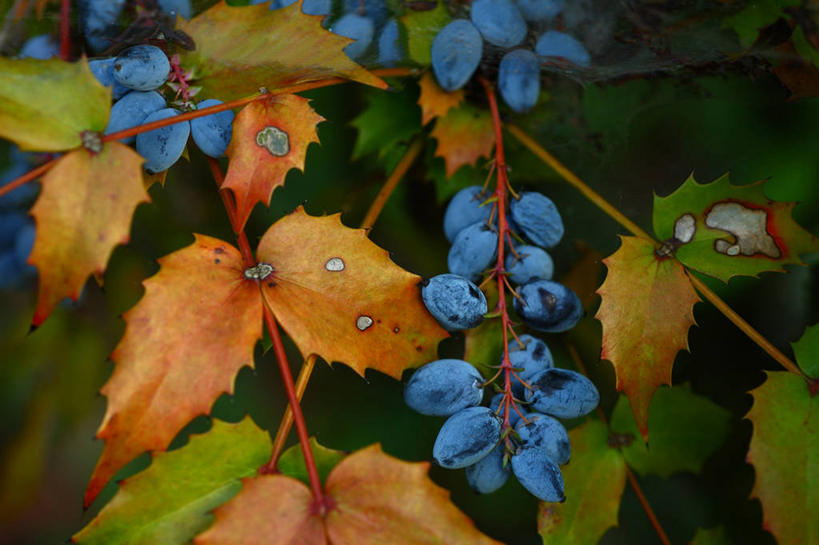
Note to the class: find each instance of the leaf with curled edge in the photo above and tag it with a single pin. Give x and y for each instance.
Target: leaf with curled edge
(341, 297)
(185, 342)
(242, 48)
(270, 137)
(464, 134)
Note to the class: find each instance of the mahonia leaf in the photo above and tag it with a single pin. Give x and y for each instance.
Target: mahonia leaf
(806, 351)
(422, 27)
(686, 430)
(594, 481)
(784, 451)
(84, 210)
(240, 49)
(646, 310)
(726, 230)
(711, 536)
(434, 101)
(269, 138)
(45, 105)
(374, 499)
(170, 502)
(464, 134)
(339, 296)
(184, 343)
(386, 126)
(755, 16)
(291, 462)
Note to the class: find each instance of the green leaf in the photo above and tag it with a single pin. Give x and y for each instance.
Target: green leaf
(170, 502)
(738, 230)
(422, 27)
(46, 104)
(387, 125)
(291, 462)
(446, 187)
(685, 430)
(713, 536)
(784, 451)
(594, 481)
(806, 351)
(759, 14)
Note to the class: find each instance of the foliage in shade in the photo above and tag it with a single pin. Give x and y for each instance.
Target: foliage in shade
(170, 502)
(594, 480)
(240, 49)
(685, 430)
(291, 461)
(806, 351)
(711, 536)
(422, 26)
(646, 310)
(434, 101)
(784, 451)
(270, 137)
(53, 120)
(751, 223)
(388, 123)
(184, 343)
(83, 212)
(339, 296)
(464, 134)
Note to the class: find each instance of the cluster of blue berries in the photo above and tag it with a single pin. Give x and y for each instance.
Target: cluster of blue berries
(99, 19)
(534, 443)
(458, 48)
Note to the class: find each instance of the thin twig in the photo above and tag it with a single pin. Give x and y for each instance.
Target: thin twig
(392, 181)
(287, 419)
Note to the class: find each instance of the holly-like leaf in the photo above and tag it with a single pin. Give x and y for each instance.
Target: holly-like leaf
(464, 134)
(434, 101)
(784, 451)
(270, 137)
(685, 430)
(170, 502)
(339, 296)
(291, 462)
(646, 310)
(725, 230)
(45, 105)
(422, 27)
(806, 351)
(240, 49)
(184, 343)
(594, 485)
(387, 125)
(374, 498)
(712, 536)
(83, 212)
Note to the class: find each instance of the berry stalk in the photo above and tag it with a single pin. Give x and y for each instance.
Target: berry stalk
(65, 30)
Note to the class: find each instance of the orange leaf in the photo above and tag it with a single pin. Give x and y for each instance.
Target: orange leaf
(340, 296)
(83, 211)
(463, 135)
(434, 101)
(646, 311)
(184, 343)
(269, 138)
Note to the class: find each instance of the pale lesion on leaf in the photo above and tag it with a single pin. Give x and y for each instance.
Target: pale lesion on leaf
(748, 226)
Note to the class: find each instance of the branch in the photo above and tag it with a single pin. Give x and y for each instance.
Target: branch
(65, 30)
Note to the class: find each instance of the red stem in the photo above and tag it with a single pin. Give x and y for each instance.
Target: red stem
(65, 30)
(646, 507)
(28, 176)
(230, 208)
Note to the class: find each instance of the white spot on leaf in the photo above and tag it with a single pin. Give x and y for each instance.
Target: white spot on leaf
(748, 226)
(334, 264)
(684, 228)
(363, 322)
(274, 140)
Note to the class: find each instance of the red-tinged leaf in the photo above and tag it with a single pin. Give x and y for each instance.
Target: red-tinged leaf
(646, 310)
(184, 343)
(434, 101)
(463, 135)
(82, 213)
(269, 138)
(240, 49)
(784, 451)
(339, 296)
(375, 500)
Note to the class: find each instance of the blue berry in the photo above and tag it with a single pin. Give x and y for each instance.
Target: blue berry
(488, 474)
(499, 22)
(538, 474)
(531, 263)
(98, 19)
(540, 10)
(162, 147)
(176, 7)
(317, 7)
(547, 433)
(464, 209)
(456, 52)
(537, 218)
(40, 47)
(20, 196)
(142, 67)
(389, 48)
(376, 10)
(473, 250)
(519, 79)
(532, 359)
(10, 225)
(466, 437)
(562, 393)
(103, 70)
(444, 387)
(554, 43)
(548, 306)
(359, 28)
(454, 301)
(132, 110)
(24, 243)
(495, 404)
(212, 133)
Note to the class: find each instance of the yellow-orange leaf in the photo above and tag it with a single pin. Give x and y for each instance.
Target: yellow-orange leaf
(339, 296)
(269, 138)
(184, 343)
(463, 135)
(434, 101)
(82, 213)
(646, 311)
